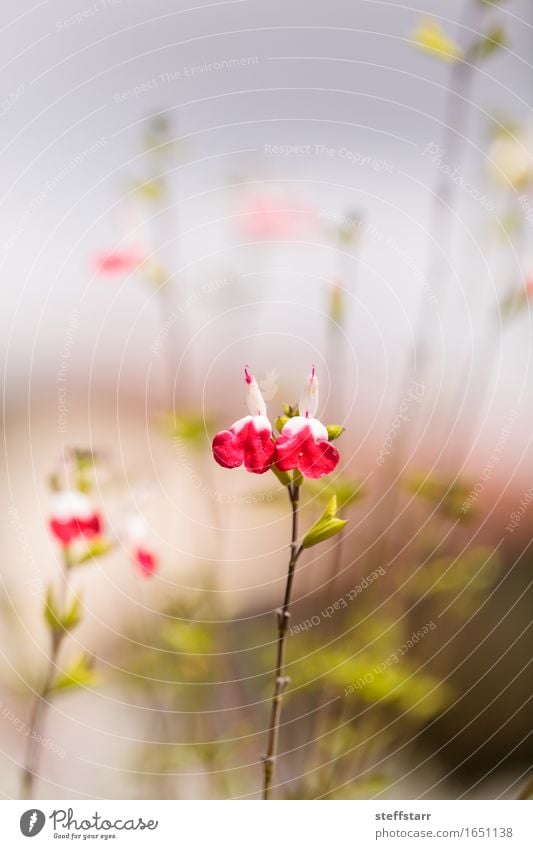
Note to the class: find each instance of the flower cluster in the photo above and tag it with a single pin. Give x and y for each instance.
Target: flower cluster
(303, 443)
(79, 527)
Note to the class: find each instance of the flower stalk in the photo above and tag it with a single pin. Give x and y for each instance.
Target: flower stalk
(281, 680)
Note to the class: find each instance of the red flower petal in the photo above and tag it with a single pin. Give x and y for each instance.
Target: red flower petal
(300, 446)
(319, 459)
(228, 450)
(146, 560)
(67, 531)
(248, 441)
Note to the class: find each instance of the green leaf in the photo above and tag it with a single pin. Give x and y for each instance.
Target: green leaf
(290, 411)
(489, 43)
(60, 622)
(79, 673)
(283, 477)
(95, 548)
(334, 431)
(327, 526)
(280, 422)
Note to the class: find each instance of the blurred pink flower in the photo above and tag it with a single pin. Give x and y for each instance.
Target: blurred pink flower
(136, 536)
(73, 515)
(303, 443)
(118, 261)
(248, 440)
(271, 217)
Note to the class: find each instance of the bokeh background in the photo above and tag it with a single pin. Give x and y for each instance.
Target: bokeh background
(188, 188)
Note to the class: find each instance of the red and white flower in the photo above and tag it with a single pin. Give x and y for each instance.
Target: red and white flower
(136, 536)
(73, 515)
(249, 440)
(303, 443)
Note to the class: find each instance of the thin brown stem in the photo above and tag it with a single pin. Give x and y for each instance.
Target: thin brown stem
(281, 680)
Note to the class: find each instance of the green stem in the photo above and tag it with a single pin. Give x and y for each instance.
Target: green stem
(281, 680)
(41, 704)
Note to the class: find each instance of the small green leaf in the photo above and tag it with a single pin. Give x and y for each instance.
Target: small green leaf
(95, 548)
(334, 431)
(489, 43)
(283, 477)
(79, 673)
(290, 411)
(58, 621)
(280, 422)
(327, 526)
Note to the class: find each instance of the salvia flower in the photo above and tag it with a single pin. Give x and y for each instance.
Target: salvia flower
(303, 443)
(73, 515)
(137, 539)
(248, 440)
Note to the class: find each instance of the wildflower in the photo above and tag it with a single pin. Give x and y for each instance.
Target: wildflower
(73, 515)
(137, 539)
(303, 443)
(248, 440)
